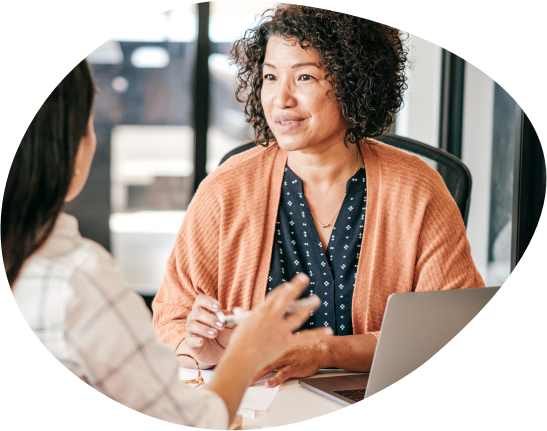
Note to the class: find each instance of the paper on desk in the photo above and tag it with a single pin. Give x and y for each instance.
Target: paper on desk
(256, 397)
(259, 397)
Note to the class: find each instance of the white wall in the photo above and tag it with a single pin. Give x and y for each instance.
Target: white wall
(419, 118)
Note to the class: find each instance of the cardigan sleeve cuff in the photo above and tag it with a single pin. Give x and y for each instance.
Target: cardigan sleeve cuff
(376, 334)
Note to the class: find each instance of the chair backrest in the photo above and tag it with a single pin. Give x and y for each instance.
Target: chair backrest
(453, 171)
(237, 150)
(455, 174)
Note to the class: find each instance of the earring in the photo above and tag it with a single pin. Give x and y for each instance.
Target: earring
(76, 172)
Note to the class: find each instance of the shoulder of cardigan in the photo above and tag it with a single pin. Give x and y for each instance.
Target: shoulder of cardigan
(256, 155)
(396, 165)
(266, 164)
(250, 163)
(243, 182)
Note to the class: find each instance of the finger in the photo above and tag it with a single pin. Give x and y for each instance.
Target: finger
(281, 375)
(285, 294)
(228, 313)
(194, 342)
(207, 303)
(301, 315)
(263, 372)
(194, 327)
(207, 318)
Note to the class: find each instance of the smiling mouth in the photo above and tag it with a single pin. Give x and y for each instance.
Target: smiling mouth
(290, 125)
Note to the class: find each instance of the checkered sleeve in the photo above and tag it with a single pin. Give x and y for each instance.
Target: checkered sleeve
(109, 330)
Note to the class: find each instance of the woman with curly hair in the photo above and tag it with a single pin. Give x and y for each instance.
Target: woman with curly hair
(317, 195)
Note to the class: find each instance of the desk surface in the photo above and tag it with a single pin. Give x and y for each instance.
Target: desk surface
(293, 403)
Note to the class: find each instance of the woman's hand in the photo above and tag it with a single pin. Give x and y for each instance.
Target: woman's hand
(301, 361)
(207, 337)
(261, 338)
(268, 332)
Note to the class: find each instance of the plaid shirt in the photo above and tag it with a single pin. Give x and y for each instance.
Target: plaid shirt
(77, 303)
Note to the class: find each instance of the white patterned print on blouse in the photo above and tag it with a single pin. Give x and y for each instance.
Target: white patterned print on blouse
(297, 248)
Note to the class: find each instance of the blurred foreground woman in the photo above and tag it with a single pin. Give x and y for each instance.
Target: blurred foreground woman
(78, 305)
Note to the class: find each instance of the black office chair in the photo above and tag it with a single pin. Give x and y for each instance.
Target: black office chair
(454, 173)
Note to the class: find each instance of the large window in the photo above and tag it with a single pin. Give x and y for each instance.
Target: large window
(228, 128)
(143, 175)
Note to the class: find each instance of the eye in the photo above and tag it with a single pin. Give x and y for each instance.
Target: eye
(269, 77)
(306, 78)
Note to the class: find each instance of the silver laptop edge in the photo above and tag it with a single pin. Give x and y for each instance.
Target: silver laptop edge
(416, 325)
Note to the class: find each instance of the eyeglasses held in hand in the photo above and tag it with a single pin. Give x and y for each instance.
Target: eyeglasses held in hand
(199, 380)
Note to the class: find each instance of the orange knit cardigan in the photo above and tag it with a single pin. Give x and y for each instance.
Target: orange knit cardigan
(414, 238)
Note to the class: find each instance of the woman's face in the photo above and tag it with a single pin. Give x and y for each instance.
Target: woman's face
(294, 98)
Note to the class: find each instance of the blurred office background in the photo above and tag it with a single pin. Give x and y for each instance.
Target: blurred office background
(166, 114)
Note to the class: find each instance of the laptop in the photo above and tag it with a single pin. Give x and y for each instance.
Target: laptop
(416, 325)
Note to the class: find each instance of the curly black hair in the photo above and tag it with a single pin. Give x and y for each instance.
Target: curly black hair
(365, 64)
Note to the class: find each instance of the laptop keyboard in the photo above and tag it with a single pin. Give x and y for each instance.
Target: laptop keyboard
(352, 394)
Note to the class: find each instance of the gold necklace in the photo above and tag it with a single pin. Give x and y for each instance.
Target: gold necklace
(341, 203)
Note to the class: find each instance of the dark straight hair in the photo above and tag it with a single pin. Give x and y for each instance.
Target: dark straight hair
(43, 168)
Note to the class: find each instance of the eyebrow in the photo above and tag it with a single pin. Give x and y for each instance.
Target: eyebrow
(294, 66)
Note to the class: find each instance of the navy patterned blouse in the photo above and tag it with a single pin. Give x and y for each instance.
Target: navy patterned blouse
(297, 248)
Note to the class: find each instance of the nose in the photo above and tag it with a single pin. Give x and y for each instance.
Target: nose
(284, 97)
